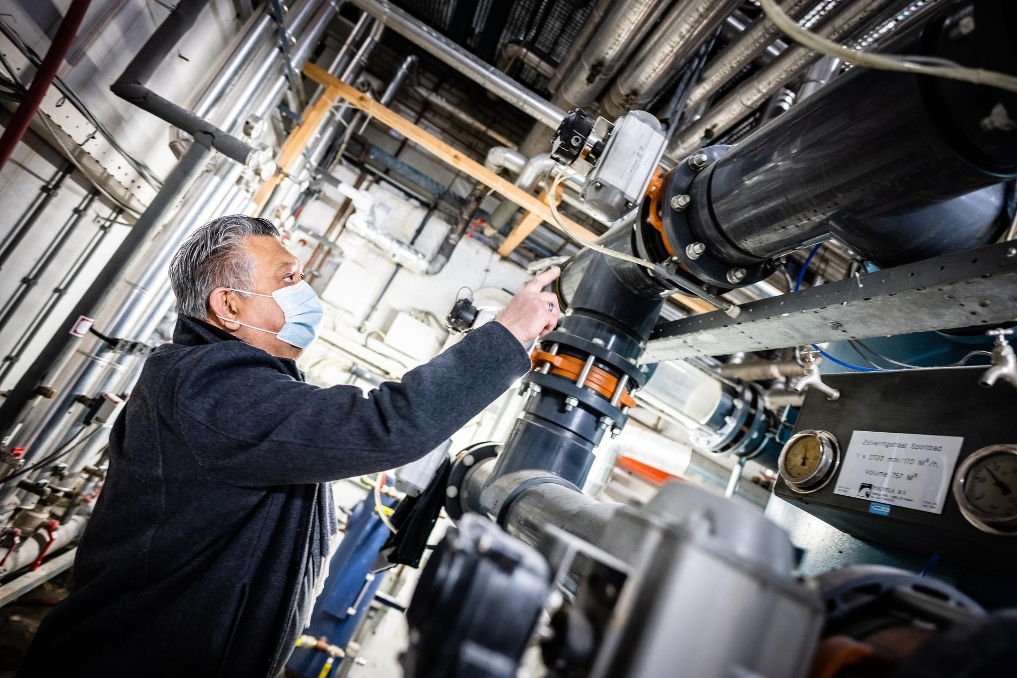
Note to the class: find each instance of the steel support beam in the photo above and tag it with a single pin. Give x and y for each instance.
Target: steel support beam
(964, 289)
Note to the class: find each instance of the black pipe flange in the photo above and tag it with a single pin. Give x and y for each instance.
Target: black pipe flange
(703, 252)
(476, 605)
(463, 464)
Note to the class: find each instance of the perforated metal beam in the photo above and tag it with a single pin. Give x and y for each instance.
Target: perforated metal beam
(971, 288)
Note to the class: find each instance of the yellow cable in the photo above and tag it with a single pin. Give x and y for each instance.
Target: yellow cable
(378, 506)
(883, 62)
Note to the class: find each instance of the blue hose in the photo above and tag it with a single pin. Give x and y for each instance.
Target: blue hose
(837, 361)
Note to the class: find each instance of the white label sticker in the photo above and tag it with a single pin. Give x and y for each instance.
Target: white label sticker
(904, 469)
(81, 326)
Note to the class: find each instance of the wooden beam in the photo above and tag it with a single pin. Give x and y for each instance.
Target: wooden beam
(296, 142)
(526, 225)
(443, 151)
(694, 304)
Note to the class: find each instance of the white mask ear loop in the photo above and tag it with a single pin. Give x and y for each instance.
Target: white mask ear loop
(227, 320)
(255, 294)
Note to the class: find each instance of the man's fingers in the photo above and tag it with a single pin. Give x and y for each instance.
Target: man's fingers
(545, 278)
(550, 297)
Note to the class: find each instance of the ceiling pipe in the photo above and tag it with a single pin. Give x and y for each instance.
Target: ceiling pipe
(686, 27)
(513, 52)
(622, 30)
(311, 19)
(504, 158)
(130, 86)
(440, 103)
(255, 47)
(465, 63)
(47, 70)
(530, 174)
(737, 23)
(756, 40)
(591, 24)
(752, 93)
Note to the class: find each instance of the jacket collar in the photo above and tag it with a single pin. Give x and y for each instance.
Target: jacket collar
(193, 332)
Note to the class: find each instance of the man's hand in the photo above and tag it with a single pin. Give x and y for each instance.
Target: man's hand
(532, 313)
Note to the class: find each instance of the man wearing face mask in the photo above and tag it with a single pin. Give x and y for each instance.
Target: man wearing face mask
(215, 521)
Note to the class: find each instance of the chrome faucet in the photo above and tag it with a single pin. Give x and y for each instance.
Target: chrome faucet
(810, 360)
(1004, 361)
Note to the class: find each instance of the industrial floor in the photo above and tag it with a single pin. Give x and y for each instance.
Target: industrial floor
(20, 619)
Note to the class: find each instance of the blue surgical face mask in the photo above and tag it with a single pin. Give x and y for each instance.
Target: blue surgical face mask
(301, 308)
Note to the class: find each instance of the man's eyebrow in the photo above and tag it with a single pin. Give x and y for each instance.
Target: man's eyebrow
(286, 265)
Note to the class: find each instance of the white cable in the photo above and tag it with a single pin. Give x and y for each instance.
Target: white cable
(883, 62)
(583, 243)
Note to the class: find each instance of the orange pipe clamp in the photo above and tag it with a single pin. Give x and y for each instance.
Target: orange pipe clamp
(601, 381)
(656, 192)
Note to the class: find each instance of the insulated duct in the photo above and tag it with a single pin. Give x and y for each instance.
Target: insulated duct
(686, 27)
(361, 223)
(753, 93)
(756, 39)
(619, 34)
(592, 23)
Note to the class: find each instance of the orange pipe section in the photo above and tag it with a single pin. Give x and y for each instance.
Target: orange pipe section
(645, 471)
(599, 380)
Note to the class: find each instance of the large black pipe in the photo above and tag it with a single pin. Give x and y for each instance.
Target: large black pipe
(541, 500)
(611, 306)
(885, 161)
(130, 86)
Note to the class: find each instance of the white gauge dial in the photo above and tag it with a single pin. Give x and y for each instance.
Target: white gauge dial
(808, 460)
(985, 488)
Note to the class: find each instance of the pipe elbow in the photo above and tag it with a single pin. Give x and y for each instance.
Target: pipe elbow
(363, 202)
(503, 157)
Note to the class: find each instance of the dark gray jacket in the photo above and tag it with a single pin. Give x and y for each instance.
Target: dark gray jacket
(201, 556)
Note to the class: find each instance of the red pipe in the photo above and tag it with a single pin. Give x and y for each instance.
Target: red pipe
(43, 78)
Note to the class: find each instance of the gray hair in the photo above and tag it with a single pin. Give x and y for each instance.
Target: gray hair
(214, 256)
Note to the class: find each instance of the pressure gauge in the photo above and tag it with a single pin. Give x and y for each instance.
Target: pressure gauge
(985, 488)
(809, 460)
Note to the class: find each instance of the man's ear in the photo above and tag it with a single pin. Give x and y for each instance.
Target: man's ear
(222, 304)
